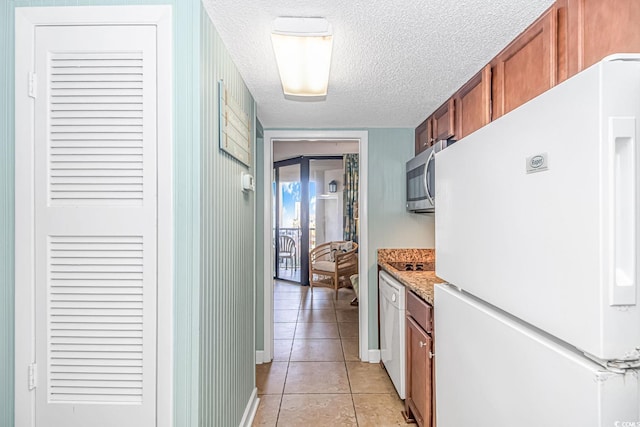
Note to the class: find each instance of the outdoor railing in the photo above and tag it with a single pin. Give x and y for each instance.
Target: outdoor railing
(296, 234)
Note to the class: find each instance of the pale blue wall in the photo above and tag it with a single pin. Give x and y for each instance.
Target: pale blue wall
(227, 352)
(186, 195)
(390, 226)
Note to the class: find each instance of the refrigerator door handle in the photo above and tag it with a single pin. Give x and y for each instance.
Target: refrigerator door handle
(622, 132)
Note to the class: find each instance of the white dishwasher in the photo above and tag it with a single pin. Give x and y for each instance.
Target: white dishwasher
(391, 297)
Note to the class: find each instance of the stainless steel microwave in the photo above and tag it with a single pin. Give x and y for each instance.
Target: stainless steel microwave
(421, 188)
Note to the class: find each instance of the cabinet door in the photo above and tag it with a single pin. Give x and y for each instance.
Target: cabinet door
(444, 121)
(527, 66)
(424, 135)
(599, 28)
(419, 373)
(473, 103)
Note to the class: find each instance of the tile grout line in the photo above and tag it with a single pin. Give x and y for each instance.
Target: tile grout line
(284, 384)
(346, 368)
(342, 347)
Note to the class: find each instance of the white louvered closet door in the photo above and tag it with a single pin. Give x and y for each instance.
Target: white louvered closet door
(95, 225)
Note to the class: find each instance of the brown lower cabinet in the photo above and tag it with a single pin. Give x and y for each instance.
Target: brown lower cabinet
(419, 353)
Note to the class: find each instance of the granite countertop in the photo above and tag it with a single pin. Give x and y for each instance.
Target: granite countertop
(420, 282)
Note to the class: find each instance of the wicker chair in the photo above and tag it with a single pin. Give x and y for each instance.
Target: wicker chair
(332, 271)
(287, 251)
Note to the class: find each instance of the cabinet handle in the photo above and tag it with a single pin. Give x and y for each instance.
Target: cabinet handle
(422, 344)
(431, 355)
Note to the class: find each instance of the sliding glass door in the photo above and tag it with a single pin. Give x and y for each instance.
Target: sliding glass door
(289, 220)
(307, 212)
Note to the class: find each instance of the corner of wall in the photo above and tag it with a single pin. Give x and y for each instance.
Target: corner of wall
(186, 211)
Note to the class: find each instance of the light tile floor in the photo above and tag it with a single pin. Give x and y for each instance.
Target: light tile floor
(316, 377)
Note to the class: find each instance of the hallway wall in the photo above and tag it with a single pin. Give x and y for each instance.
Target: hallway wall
(227, 355)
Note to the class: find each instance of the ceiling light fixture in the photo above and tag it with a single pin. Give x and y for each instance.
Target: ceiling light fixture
(303, 53)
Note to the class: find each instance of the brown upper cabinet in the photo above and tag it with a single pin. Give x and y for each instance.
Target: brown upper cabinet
(473, 103)
(567, 38)
(440, 125)
(444, 122)
(424, 135)
(527, 66)
(597, 28)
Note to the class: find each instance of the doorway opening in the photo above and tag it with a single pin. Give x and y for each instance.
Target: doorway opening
(324, 143)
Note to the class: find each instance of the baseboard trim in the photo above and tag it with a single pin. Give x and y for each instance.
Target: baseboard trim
(259, 357)
(250, 410)
(374, 356)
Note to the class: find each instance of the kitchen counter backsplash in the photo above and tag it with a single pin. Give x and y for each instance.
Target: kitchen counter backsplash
(406, 255)
(420, 282)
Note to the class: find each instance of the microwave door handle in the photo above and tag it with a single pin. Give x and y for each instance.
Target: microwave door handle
(426, 176)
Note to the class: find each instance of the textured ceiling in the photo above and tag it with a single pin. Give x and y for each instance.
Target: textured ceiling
(393, 62)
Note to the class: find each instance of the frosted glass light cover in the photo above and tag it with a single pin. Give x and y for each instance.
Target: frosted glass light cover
(304, 60)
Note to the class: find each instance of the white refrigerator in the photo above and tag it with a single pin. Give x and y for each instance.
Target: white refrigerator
(537, 234)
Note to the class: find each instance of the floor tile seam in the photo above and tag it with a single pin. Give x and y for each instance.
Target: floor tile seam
(353, 405)
(346, 368)
(355, 413)
(310, 322)
(308, 339)
(284, 384)
(316, 393)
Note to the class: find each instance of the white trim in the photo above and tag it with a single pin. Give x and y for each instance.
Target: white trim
(98, 15)
(250, 410)
(26, 19)
(24, 220)
(267, 303)
(164, 312)
(363, 237)
(259, 357)
(363, 262)
(374, 356)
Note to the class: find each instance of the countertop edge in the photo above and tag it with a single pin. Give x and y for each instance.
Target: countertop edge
(420, 282)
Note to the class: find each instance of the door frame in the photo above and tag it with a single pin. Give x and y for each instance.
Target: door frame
(26, 21)
(363, 262)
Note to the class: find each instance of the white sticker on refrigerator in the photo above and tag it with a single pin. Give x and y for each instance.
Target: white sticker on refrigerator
(538, 163)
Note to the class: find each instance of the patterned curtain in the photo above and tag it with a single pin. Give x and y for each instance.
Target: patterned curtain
(350, 196)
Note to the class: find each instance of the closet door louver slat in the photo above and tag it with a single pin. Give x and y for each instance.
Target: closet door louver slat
(96, 126)
(101, 289)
